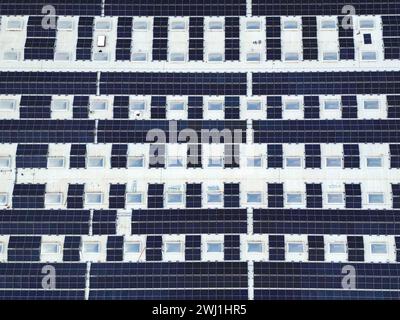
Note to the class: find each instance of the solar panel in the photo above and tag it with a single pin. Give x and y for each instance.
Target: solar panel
(229, 277)
(40, 42)
(28, 196)
(312, 155)
(304, 131)
(44, 222)
(31, 156)
(115, 248)
(172, 83)
(24, 249)
(273, 38)
(351, 156)
(75, 196)
(121, 107)
(196, 39)
(104, 221)
(353, 195)
(310, 41)
(39, 83)
(325, 221)
(85, 38)
(391, 37)
(346, 41)
(124, 41)
(275, 156)
(79, 8)
(188, 221)
(314, 195)
(325, 83)
(232, 46)
(175, 8)
(35, 107)
(202, 150)
(117, 196)
(160, 39)
(314, 8)
(285, 280)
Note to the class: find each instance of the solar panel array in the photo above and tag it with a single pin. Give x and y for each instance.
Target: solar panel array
(194, 150)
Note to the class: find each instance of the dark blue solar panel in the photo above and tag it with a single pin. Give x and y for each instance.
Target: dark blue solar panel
(116, 83)
(231, 195)
(193, 247)
(71, 248)
(135, 131)
(351, 156)
(119, 156)
(196, 38)
(85, 38)
(332, 221)
(124, 39)
(40, 42)
(314, 195)
(175, 8)
(47, 131)
(31, 156)
(22, 248)
(186, 275)
(195, 107)
(232, 41)
(316, 8)
(391, 36)
(75, 196)
(275, 156)
(353, 196)
(48, 83)
(32, 107)
(323, 275)
(104, 221)
(115, 247)
(273, 38)
(189, 294)
(326, 131)
(44, 222)
(160, 39)
(298, 294)
(121, 107)
(117, 196)
(28, 196)
(193, 195)
(310, 41)
(188, 221)
(62, 7)
(312, 155)
(320, 83)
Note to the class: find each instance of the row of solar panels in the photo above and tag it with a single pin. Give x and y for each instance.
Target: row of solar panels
(152, 83)
(197, 7)
(205, 280)
(201, 221)
(136, 131)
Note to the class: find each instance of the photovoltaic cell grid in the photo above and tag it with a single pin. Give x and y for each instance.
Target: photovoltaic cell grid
(28, 220)
(63, 7)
